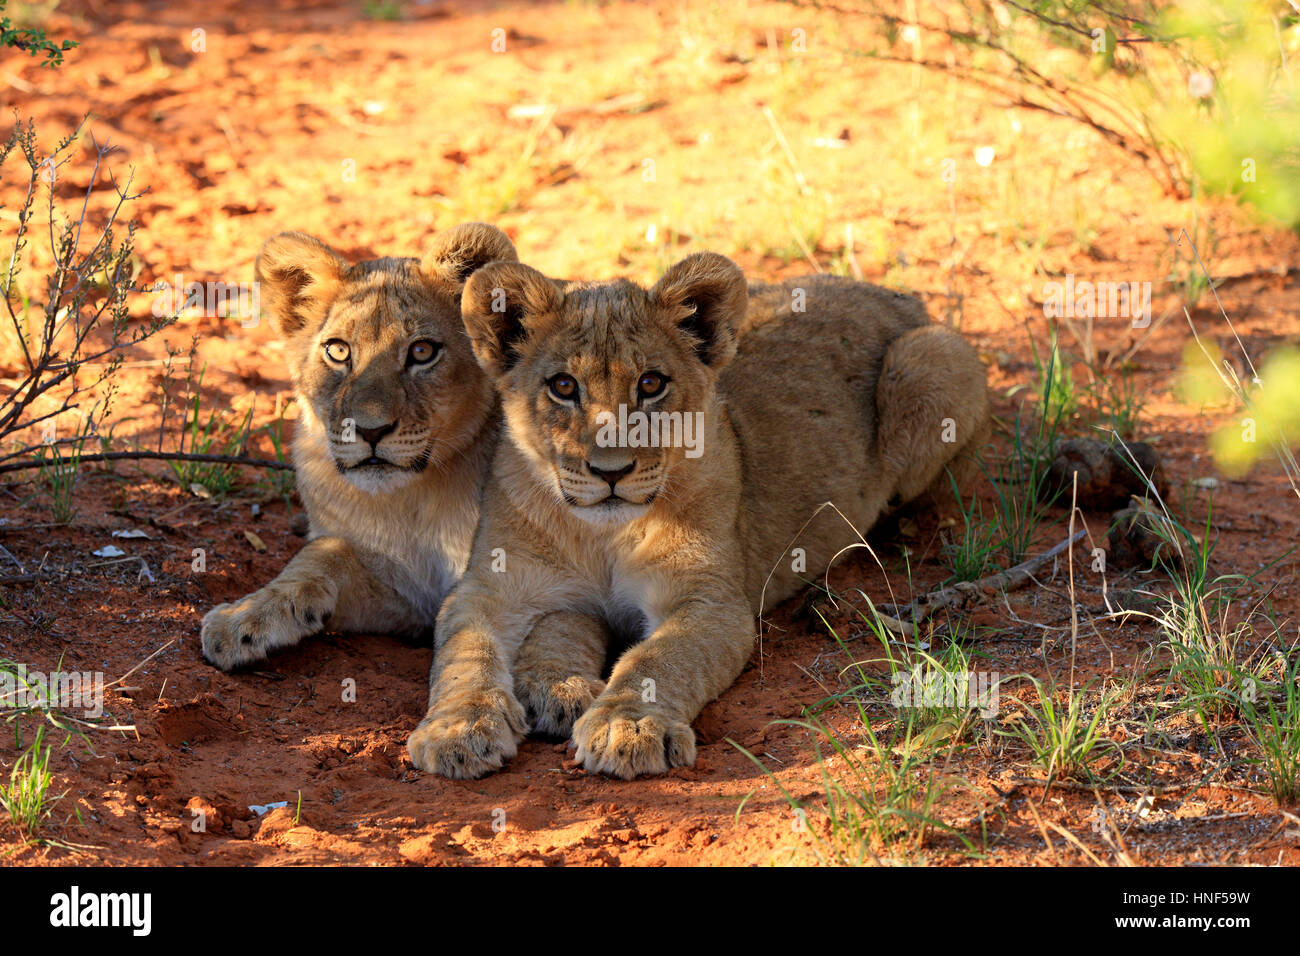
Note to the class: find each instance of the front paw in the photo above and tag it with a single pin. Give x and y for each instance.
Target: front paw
(471, 740)
(246, 630)
(553, 702)
(628, 738)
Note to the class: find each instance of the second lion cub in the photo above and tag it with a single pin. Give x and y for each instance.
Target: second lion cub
(658, 469)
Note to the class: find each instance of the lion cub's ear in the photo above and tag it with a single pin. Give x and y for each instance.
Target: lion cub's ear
(456, 253)
(502, 303)
(298, 277)
(705, 295)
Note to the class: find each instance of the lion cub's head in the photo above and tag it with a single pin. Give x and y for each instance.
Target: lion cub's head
(607, 388)
(377, 350)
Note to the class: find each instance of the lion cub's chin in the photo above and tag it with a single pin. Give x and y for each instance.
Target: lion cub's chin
(380, 479)
(611, 511)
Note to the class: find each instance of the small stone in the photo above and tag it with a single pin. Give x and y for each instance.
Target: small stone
(1109, 473)
(1140, 535)
(200, 808)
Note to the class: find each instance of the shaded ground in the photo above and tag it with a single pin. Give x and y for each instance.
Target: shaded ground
(372, 135)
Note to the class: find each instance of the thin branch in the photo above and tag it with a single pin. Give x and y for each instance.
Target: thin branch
(154, 456)
(965, 593)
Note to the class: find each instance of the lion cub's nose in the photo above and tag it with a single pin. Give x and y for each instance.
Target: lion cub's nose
(375, 435)
(611, 476)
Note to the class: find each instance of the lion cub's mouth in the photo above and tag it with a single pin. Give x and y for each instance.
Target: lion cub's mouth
(378, 475)
(611, 500)
(613, 509)
(377, 464)
(373, 463)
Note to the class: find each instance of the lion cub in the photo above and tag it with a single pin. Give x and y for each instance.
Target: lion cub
(397, 428)
(659, 470)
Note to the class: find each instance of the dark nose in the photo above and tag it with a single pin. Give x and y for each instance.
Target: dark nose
(610, 477)
(375, 435)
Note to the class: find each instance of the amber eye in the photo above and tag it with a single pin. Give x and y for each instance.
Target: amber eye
(651, 384)
(564, 387)
(422, 352)
(337, 350)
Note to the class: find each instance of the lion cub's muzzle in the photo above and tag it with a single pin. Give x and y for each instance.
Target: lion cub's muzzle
(610, 486)
(371, 455)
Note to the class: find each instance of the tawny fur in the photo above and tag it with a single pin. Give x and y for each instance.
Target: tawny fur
(854, 399)
(386, 542)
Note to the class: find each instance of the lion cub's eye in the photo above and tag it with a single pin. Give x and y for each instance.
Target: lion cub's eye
(651, 384)
(422, 352)
(337, 351)
(564, 387)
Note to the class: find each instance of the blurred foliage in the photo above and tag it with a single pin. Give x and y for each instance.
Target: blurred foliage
(1269, 403)
(1204, 93)
(1239, 121)
(31, 39)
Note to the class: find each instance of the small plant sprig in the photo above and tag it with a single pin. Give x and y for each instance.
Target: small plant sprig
(1272, 722)
(33, 41)
(969, 552)
(215, 436)
(279, 483)
(26, 797)
(59, 470)
(1062, 739)
(81, 317)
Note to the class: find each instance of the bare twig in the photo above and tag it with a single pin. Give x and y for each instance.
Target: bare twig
(966, 593)
(160, 456)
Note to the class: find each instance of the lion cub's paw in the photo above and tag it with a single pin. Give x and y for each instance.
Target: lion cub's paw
(246, 630)
(553, 702)
(626, 739)
(471, 740)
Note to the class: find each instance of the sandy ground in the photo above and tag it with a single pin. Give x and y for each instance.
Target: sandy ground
(373, 134)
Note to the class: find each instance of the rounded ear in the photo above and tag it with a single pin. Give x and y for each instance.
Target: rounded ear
(456, 253)
(706, 296)
(502, 303)
(298, 277)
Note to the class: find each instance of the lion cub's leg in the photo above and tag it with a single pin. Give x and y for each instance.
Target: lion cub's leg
(473, 723)
(324, 582)
(557, 669)
(932, 411)
(641, 722)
